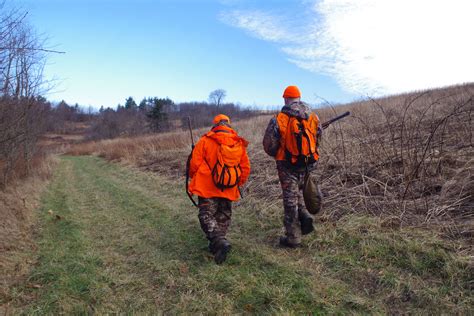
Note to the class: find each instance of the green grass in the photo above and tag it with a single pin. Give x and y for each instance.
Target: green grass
(130, 242)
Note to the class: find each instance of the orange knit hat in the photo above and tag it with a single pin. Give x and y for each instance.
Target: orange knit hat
(219, 118)
(292, 92)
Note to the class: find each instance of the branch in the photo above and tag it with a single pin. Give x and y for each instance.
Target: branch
(34, 49)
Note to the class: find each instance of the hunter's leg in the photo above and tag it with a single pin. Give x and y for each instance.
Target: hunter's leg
(289, 185)
(207, 209)
(223, 217)
(220, 246)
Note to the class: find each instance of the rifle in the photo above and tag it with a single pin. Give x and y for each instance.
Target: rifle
(337, 118)
(191, 131)
(188, 163)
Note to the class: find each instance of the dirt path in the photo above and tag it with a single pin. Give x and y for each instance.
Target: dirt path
(128, 241)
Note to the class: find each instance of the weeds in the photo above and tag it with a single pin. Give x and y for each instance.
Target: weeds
(396, 176)
(130, 242)
(408, 156)
(17, 226)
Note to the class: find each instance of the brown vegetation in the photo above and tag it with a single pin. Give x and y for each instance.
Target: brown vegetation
(17, 219)
(22, 122)
(406, 158)
(24, 117)
(24, 114)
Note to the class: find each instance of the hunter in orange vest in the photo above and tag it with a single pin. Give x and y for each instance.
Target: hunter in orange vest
(218, 167)
(292, 139)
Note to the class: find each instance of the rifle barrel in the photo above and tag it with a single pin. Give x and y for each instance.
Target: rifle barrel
(337, 118)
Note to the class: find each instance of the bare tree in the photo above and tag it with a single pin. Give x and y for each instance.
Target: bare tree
(216, 97)
(22, 112)
(21, 58)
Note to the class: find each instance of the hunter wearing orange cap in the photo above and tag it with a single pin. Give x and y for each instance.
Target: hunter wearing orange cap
(218, 167)
(292, 138)
(292, 92)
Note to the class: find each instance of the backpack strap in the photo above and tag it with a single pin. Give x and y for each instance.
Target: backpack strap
(222, 131)
(299, 137)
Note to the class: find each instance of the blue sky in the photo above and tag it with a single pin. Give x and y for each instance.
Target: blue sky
(338, 50)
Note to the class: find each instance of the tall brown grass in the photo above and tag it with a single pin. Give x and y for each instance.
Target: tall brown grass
(18, 203)
(406, 158)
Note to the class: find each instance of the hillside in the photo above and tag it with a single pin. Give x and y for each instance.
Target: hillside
(407, 158)
(395, 234)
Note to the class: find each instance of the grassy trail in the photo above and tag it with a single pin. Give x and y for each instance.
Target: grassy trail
(129, 241)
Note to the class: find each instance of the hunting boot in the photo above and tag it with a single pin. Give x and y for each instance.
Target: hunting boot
(212, 247)
(222, 247)
(285, 243)
(306, 224)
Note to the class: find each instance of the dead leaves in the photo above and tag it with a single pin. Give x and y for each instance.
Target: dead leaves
(56, 217)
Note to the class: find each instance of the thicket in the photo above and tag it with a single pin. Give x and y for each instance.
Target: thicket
(155, 115)
(22, 110)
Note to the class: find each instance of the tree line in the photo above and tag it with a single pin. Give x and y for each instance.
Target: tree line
(154, 114)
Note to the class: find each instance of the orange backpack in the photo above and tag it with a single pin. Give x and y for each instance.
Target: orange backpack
(226, 173)
(299, 139)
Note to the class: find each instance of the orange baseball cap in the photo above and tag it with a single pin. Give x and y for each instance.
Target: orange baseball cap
(292, 92)
(220, 117)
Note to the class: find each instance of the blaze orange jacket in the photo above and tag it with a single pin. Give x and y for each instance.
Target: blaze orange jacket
(204, 157)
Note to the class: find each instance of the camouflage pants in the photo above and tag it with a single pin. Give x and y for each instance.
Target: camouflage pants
(215, 215)
(293, 202)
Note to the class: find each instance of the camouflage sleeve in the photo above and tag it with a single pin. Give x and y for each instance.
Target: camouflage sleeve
(271, 139)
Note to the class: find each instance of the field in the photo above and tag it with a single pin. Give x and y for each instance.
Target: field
(118, 240)
(407, 157)
(395, 235)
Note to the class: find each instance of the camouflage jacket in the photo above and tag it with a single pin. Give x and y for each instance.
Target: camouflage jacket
(271, 139)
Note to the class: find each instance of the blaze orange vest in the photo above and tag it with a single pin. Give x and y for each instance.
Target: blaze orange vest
(298, 141)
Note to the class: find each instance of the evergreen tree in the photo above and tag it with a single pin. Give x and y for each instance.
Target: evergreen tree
(157, 116)
(144, 104)
(120, 107)
(130, 104)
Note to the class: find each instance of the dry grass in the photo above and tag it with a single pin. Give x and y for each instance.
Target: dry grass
(129, 242)
(162, 152)
(397, 166)
(17, 219)
(407, 159)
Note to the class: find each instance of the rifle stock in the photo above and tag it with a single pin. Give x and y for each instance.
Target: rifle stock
(188, 163)
(191, 131)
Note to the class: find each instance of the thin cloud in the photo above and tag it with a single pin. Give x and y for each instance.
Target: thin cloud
(259, 24)
(230, 2)
(375, 47)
